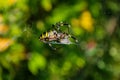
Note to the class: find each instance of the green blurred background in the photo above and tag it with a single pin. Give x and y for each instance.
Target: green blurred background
(95, 23)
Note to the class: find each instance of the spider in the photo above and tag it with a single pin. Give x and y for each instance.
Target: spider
(57, 36)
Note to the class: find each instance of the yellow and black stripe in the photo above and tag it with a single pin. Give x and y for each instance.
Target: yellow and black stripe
(46, 35)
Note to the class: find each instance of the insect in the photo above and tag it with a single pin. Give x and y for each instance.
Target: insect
(57, 36)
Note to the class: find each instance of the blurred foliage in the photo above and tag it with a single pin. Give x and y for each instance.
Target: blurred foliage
(94, 23)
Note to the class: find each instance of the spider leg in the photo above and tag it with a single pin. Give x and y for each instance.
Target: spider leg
(76, 41)
(56, 28)
(52, 46)
(59, 24)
